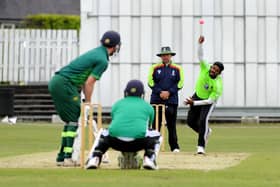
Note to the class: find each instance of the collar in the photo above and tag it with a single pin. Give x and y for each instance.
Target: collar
(170, 62)
(105, 50)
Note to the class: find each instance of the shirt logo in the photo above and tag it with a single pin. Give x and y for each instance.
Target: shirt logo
(173, 73)
(159, 71)
(206, 86)
(133, 90)
(107, 41)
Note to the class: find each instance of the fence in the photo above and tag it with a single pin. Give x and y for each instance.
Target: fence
(243, 34)
(34, 55)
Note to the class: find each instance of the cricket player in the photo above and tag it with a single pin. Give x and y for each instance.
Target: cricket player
(208, 89)
(80, 74)
(128, 131)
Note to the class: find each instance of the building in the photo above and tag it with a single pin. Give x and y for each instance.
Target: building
(12, 12)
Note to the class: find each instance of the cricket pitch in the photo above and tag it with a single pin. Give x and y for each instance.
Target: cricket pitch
(166, 160)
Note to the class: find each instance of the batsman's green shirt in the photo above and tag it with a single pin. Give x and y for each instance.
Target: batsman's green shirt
(206, 87)
(131, 117)
(93, 62)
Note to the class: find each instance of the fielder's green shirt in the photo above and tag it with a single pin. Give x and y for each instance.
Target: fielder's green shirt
(206, 87)
(93, 62)
(131, 117)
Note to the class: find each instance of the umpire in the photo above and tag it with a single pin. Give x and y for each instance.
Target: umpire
(165, 79)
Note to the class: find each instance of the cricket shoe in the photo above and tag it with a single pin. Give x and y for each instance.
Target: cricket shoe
(60, 159)
(59, 163)
(93, 163)
(200, 150)
(176, 150)
(68, 162)
(149, 164)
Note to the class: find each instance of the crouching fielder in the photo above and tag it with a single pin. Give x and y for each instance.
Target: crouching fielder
(208, 89)
(128, 131)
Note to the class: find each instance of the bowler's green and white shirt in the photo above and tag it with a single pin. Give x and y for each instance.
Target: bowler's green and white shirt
(207, 87)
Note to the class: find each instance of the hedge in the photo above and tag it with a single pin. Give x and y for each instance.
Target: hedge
(52, 21)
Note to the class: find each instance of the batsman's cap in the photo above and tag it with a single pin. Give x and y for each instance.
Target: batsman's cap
(134, 88)
(111, 39)
(166, 51)
(220, 65)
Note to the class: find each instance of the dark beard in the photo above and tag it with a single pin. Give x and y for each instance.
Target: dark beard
(212, 76)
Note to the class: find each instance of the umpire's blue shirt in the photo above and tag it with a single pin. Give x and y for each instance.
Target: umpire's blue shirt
(163, 77)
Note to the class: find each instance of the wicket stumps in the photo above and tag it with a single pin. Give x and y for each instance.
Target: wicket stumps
(88, 121)
(163, 122)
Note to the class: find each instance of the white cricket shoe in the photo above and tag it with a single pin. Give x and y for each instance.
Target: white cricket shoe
(176, 150)
(93, 163)
(13, 120)
(149, 164)
(200, 150)
(68, 162)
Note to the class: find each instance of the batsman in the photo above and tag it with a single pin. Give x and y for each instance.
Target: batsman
(65, 86)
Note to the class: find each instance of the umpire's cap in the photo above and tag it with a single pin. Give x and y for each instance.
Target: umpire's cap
(166, 51)
(111, 39)
(134, 88)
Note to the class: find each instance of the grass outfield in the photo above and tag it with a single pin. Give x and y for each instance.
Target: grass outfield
(260, 169)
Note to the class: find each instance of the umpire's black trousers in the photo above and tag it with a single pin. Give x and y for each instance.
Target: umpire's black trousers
(171, 118)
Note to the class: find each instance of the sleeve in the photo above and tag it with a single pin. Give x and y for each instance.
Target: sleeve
(99, 69)
(200, 53)
(182, 78)
(203, 102)
(151, 82)
(203, 63)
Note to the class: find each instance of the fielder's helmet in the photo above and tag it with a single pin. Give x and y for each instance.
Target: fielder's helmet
(111, 39)
(134, 88)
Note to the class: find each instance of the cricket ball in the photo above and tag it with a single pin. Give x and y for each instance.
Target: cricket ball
(201, 21)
